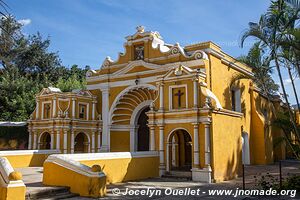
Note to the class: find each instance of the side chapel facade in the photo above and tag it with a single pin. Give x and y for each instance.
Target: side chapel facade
(181, 102)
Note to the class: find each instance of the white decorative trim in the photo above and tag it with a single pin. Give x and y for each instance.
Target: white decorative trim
(183, 120)
(110, 155)
(73, 165)
(159, 68)
(123, 92)
(27, 152)
(133, 124)
(171, 87)
(5, 170)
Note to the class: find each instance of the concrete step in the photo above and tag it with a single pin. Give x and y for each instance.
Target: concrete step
(180, 175)
(50, 193)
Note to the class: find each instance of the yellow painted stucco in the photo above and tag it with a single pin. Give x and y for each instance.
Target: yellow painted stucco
(57, 175)
(127, 169)
(12, 193)
(120, 141)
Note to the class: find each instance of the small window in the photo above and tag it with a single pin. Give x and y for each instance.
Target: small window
(236, 100)
(139, 53)
(47, 108)
(82, 111)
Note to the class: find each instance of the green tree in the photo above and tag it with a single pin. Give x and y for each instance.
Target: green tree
(270, 31)
(69, 84)
(261, 69)
(26, 66)
(17, 95)
(262, 73)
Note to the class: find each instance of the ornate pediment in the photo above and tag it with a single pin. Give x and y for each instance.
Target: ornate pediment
(178, 71)
(150, 47)
(85, 93)
(137, 66)
(49, 90)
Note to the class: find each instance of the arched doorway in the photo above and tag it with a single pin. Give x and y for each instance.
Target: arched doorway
(245, 149)
(81, 144)
(179, 151)
(45, 141)
(143, 130)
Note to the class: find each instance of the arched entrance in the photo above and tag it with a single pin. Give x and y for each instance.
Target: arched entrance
(81, 144)
(143, 131)
(45, 141)
(179, 151)
(245, 149)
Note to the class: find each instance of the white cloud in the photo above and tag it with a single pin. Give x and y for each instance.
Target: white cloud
(24, 22)
(287, 81)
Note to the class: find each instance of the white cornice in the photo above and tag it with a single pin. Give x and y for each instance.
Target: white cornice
(155, 69)
(27, 152)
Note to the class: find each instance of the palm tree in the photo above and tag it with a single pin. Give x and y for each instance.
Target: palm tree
(269, 31)
(262, 70)
(290, 42)
(3, 7)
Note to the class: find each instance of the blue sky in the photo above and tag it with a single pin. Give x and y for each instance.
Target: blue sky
(84, 32)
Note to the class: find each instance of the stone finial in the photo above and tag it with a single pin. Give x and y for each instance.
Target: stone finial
(140, 29)
(15, 176)
(96, 168)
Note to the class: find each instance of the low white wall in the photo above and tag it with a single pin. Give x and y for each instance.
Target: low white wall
(109, 155)
(27, 158)
(28, 152)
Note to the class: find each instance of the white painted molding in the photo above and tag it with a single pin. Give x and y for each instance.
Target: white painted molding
(134, 122)
(110, 155)
(27, 152)
(159, 68)
(5, 170)
(126, 90)
(171, 96)
(73, 165)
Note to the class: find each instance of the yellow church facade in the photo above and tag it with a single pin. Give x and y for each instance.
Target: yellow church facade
(182, 102)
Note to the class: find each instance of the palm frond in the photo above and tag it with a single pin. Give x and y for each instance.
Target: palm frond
(294, 3)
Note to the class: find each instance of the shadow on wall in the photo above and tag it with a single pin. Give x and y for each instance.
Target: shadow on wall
(227, 96)
(234, 165)
(120, 166)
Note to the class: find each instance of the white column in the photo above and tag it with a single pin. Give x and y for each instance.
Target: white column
(196, 93)
(161, 151)
(72, 141)
(73, 108)
(196, 145)
(57, 140)
(93, 142)
(65, 141)
(161, 96)
(105, 120)
(98, 141)
(168, 156)
(152, 138)
(30, 140)
(93, 110)
(54, 107)
(207, 144)
(37, 109)
(52, 140)
(34, 140)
